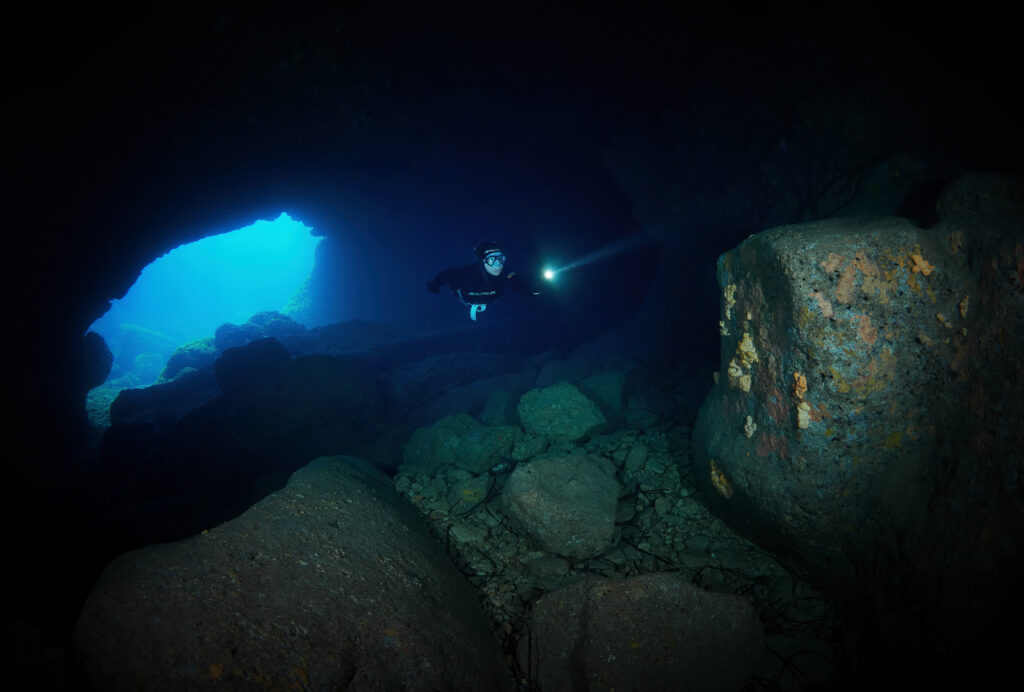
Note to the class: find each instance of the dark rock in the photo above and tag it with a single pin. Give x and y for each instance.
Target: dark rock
(233, 336)
(606, 389)
(305, 408)
(461, 442)
(566, 503)
(221, 457)
(239, 365)
(419, 383)
(97, 360)
(170, 400)
(560, 413)
(473, 397)
(333, 582)
(651, 632)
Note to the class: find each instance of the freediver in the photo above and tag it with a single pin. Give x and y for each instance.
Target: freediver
(479, 284)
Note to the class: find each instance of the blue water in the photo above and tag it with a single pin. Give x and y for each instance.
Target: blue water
(190, 291)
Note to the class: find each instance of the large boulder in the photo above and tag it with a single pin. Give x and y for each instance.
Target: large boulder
(242, 364)
(865, 419)
(460, 442)
(567, 503)
(650, 632)
(560, 413)
(333, 582)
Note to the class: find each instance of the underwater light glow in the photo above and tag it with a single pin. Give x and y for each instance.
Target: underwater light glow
(190, 291)
(607, 252)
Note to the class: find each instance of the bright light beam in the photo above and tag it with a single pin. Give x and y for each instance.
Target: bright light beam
(607, 252)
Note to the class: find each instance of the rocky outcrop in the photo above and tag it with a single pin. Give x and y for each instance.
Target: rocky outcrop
(651, 632)
(333, 582)
(864, 421)
(566, 503)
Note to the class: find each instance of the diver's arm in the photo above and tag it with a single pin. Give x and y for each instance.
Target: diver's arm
(445, 277)
(519, 285)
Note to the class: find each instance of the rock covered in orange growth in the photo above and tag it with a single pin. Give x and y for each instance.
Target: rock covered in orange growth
(720, 482)
(921, 265)
(865, 330)
(799, 385)
(915, 388)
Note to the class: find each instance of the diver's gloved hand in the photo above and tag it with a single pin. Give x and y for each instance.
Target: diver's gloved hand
(432, 287)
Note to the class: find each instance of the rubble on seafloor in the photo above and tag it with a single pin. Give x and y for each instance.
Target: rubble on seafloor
(661, 525)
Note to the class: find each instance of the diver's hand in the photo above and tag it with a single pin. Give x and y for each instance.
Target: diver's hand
(432, 287)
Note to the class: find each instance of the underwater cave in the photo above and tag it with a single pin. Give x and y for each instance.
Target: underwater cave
(769, 375)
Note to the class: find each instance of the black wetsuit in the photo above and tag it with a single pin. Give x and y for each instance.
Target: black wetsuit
(474, 286)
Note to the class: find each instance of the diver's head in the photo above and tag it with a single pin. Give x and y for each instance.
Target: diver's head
(491, 256)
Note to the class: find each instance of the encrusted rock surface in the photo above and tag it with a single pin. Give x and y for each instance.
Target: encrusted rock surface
(331, 583)
(864, 420)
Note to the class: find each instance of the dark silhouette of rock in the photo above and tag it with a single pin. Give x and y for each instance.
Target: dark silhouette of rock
(219, 458)
(167, 401)
(241, 364)
(333, 582)
(260, 326)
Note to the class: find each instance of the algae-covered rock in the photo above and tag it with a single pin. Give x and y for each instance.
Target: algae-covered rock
(566, 503)
(461, 442)
(561, 413)
(194, 355)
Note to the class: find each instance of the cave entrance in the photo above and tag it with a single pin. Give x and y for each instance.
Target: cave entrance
(187, 293)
